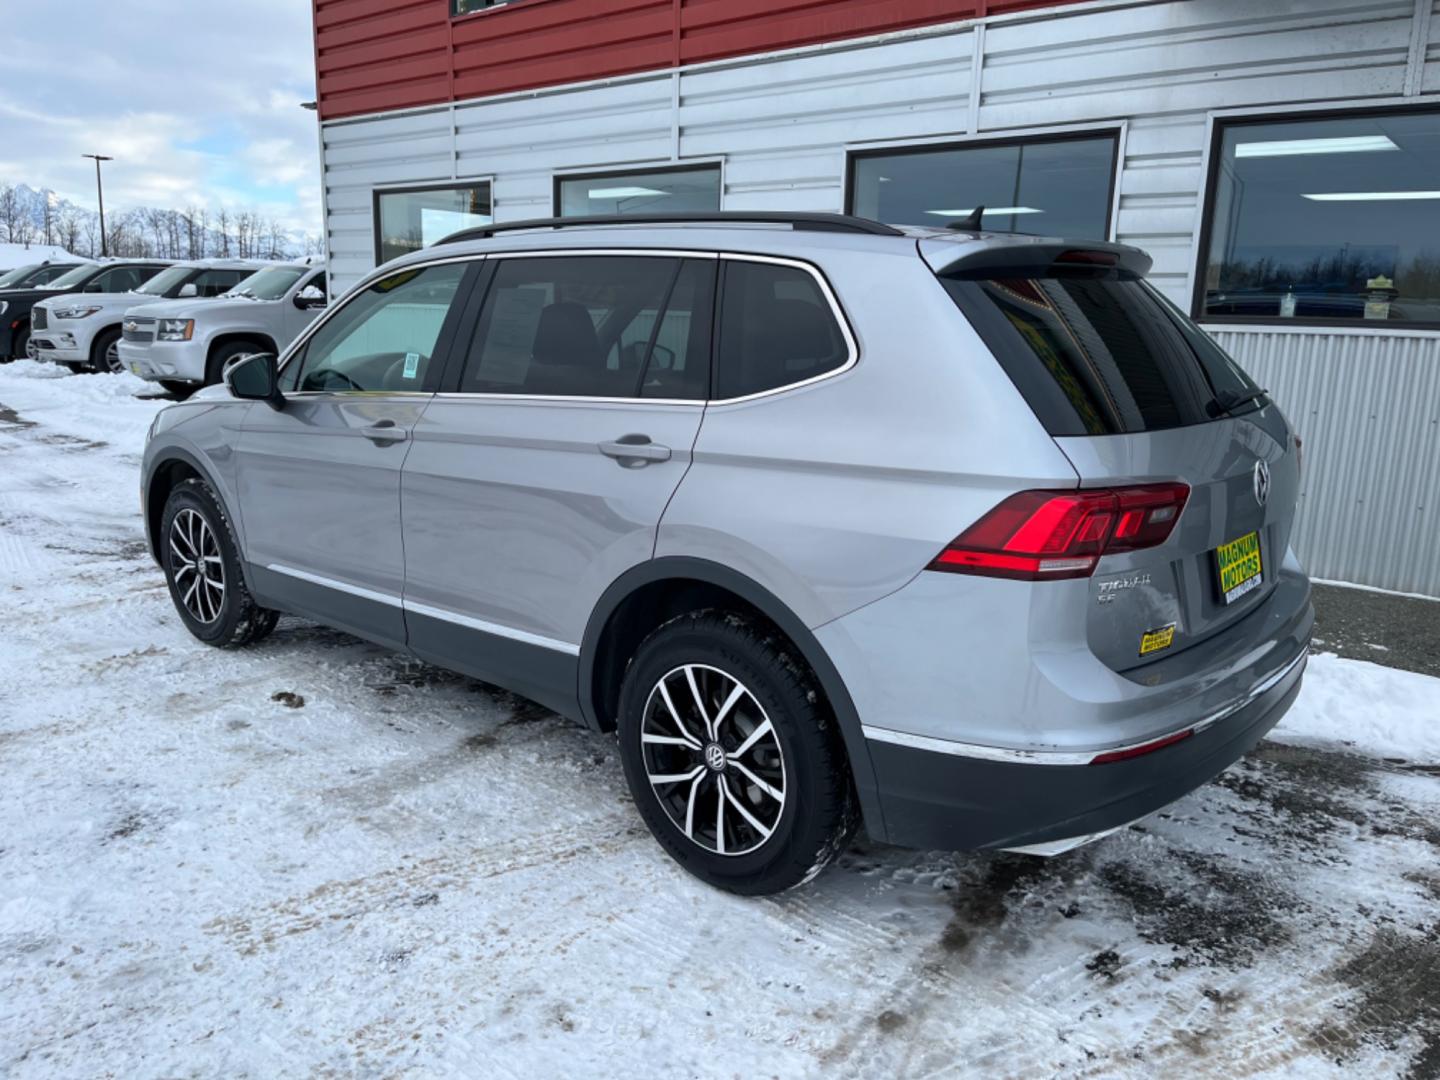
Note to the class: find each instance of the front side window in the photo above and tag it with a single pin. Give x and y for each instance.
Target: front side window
(172, 277)
(614, 326)
(776, 329)
(1053, 187)
(48, 274)
(1330, 220)
(407, 221)
(656, 191)
(217, 282)
(272, 283)
(121, 279)
(75, 277)
(382, 340)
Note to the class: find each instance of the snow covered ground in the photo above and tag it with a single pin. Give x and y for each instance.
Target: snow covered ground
(316, 857)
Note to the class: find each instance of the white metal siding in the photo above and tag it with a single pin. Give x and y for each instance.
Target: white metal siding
(781, 125)
(1368, 409)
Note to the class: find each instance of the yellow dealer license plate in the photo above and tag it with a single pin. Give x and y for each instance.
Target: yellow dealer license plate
(1239, 566)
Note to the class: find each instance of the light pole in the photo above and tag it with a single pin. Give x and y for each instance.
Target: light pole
(100, 197)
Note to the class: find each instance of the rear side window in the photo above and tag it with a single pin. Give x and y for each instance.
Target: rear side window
(612, 326)
(1099, 353)
(776, 329)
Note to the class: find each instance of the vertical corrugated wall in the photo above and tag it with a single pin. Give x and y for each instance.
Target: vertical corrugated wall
(781, 127)
(1368, 409)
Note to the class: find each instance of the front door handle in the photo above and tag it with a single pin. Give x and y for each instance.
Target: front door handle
(634, 451)
(384, 432)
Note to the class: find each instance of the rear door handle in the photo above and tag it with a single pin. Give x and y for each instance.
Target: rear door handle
(633, 451)
(384, 432)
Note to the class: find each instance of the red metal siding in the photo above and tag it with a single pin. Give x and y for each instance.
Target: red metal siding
(376, 55)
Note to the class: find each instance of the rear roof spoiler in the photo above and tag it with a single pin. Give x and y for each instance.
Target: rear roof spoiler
(1000, 254)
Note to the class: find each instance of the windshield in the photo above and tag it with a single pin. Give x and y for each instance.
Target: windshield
(1097, 353)
(19, 274)
(269, 284)
(78, 276)
(164, 281)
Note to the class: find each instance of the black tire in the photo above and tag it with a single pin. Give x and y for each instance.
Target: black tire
(20, 344)
(103, 358)
(74, 366)
(215, 367)
(181, 390)
(818, 813)
(236, 619)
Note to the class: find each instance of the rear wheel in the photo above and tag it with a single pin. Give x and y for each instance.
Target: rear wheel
(105, 352)
(732, 756)
(21, 345)
(202, 566)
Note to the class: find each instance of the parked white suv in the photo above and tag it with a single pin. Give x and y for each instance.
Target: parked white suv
(82, 331)
(185, 344)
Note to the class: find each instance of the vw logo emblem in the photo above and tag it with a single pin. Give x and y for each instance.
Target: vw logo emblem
(1262, 482)
(715, 757)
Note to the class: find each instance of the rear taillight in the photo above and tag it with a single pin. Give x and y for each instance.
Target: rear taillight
(1041, 535)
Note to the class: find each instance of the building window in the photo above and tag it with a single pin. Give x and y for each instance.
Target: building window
(1058, 186)
(1331, 219)
(654, 191)
(465, 7)
(413, 218)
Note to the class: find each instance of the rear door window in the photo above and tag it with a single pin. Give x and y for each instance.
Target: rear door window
(609, 326)
(217, 282)
(1095, 352)
(777, 328)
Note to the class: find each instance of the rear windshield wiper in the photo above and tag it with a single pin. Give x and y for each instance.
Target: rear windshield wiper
(1227, 401)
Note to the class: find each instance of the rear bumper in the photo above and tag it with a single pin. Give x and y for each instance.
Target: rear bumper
(943, 800)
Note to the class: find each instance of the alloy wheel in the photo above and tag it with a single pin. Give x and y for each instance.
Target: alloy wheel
(112, 358)
(196, 565)
(32, 351)
(713, 759)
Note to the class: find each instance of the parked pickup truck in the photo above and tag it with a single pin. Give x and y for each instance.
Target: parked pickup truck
(185, 344)
(83, 332)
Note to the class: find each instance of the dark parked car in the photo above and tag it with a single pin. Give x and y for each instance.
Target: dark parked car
(105, 276)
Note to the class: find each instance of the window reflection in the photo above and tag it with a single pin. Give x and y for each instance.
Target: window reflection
(1331, 219)
(1056, 187)
(413, 219)
(653, 192)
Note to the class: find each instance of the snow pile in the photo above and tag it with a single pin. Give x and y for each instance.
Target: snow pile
(13, 255)
(1376, 710)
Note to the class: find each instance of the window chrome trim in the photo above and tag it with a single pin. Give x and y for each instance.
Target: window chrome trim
(837, 312)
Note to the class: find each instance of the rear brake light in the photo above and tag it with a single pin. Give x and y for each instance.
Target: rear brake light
(1081, 257)
(1041, 535)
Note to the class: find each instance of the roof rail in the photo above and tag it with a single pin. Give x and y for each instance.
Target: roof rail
(799, 221)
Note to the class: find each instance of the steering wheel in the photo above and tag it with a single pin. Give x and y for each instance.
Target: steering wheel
(313, 379)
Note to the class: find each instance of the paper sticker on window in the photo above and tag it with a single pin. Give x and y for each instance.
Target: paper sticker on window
(412, 364)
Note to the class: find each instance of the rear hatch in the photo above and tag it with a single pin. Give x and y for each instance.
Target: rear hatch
(1134, 393)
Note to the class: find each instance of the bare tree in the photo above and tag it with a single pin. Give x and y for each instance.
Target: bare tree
(9, 211)
(70, 229)
(222, 223)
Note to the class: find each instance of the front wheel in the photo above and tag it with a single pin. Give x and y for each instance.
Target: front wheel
(105, 353)
(202, 567)
(732, 755)
(23, 346)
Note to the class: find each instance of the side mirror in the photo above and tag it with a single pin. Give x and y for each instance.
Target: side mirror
(255, 378)
(188, 289)
(310, 297)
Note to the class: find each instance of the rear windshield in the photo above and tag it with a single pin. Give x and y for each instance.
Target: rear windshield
(1097, 352)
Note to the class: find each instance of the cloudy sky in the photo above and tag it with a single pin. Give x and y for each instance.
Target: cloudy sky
(198, 101)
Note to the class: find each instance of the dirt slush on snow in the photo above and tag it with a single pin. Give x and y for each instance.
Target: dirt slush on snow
(318, 857)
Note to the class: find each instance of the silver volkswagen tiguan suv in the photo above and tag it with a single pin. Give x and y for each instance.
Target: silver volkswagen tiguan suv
(972, 537)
